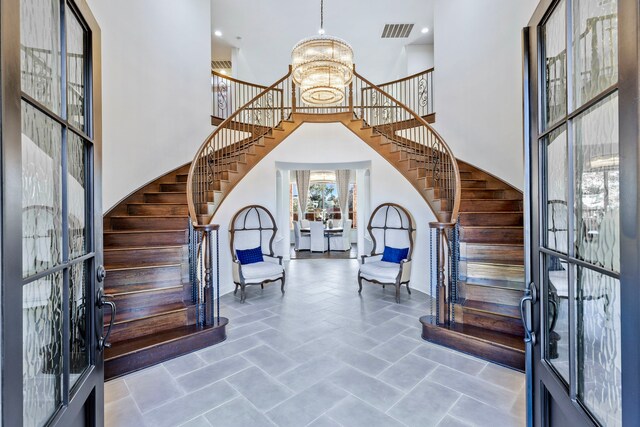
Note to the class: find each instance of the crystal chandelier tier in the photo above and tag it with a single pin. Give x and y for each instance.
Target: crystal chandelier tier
(322, 67)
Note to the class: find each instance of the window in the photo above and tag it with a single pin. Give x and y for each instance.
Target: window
(322, 203)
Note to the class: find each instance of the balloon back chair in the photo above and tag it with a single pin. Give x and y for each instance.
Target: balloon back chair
(393, 234)
(251, 235)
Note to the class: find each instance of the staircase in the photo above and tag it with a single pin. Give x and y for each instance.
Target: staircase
(147, 263)
(486, 315)
(146, 235)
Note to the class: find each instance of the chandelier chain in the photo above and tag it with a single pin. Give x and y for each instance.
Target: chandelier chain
(322, 14)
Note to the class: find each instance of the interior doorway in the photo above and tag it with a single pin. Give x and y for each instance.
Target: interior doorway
(336, 200)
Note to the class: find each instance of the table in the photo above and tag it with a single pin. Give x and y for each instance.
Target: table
(327, 233)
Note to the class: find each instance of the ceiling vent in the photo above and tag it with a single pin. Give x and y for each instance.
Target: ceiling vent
(396, 31)
(221, 65)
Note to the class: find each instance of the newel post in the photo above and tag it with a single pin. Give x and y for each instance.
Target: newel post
(211, 288)
(443, 263)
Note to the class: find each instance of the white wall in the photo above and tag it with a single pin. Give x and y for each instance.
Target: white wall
(419, 58)
(326, 143)
(156, 88)
(478, 82)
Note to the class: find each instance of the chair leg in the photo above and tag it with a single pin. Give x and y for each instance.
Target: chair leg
(359, 283)
(408, 288)
(235, 291)
(398, 293)
(242, 294)
(283, 281)
(261, 285)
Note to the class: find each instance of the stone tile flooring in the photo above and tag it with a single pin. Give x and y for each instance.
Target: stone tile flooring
(320, 356)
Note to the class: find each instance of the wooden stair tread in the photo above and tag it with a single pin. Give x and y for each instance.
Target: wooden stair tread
(493, 226)
(503, 339)
(501, 309)
(149, 341)
(492, 283)
(141, 231)
(143, 266)
(149, 216)
(142, 288)
(133, 314)
(142, 248)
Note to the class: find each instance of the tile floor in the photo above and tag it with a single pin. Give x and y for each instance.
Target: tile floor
(320, 356)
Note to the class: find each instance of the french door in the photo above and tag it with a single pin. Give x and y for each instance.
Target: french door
(52, 370)
(582, 165)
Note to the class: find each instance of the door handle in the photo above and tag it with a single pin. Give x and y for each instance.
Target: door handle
(530, 297)
(102, 301)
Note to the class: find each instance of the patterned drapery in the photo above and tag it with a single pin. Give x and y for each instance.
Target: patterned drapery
(342, 184)
(302, 181)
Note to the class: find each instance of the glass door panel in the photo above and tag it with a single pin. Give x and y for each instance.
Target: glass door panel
(42, 348)
(557, 190)
(40, 52)
(595, 48)
(557, 302)
(596, 183)
(555, 54)
(599, 355)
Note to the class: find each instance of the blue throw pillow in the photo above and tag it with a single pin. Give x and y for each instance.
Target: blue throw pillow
(394, 254)
(249, 256)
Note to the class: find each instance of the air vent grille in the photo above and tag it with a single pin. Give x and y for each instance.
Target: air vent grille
(396, 31)
(220, 65)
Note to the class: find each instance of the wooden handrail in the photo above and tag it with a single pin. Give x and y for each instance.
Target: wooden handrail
(412, 76)
(226, 124)
(423, 122)
(233, 79)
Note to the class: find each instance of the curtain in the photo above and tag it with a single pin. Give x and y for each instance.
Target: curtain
(302, 181)
(342, 184)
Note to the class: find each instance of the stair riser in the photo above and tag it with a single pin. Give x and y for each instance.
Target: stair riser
(146, 223)
(492, 235)
(165, 198)
(491, 218)
(144, 257)
(490, 205)
(149, 298)
(158, 209)
(491, 321)
(161, 352)
(486, 271)
(141, 239)
(120, 280)
(510, 254)
(490, 294)
(178, 186)
(474, 184)
(482, 194)
(147, 325)
(488, 351)
(183, 177)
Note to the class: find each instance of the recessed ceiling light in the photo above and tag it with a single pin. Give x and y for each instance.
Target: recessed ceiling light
(218, 33)
(425, 30)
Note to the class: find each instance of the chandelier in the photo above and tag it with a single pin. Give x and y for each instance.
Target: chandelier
(322, 67)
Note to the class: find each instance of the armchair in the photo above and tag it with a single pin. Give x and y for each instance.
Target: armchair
(392, 232)
(251, 234)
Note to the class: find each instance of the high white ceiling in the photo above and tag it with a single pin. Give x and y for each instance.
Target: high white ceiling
(268, 29)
